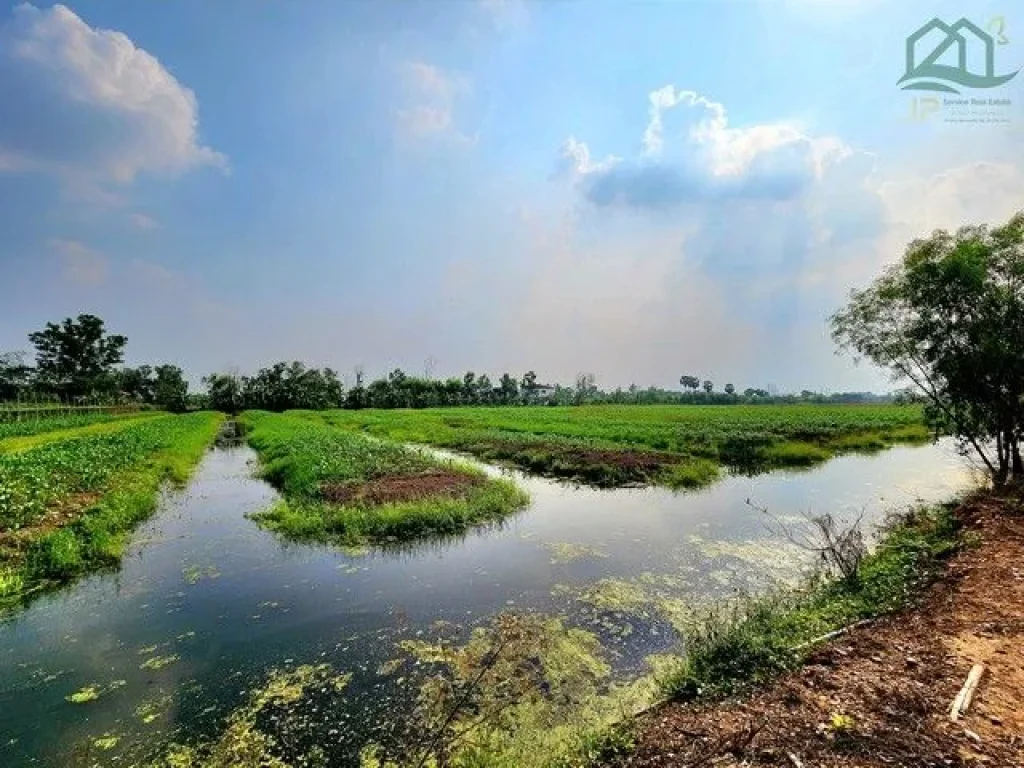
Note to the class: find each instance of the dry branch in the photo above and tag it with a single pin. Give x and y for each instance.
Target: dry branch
(963, 699)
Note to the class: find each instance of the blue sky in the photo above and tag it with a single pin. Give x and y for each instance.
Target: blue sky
(635, 189)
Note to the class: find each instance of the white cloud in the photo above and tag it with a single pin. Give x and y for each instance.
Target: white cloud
(89, 105)
(144, 222)
(731, 151)
(575, 155)
(81, 265)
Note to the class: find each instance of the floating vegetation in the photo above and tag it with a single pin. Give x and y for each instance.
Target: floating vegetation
(159, 662)
(390, 666)
(106, 742)
(92, 692)
(193, 574)
(82, 695)
(781, 561)
(529, 688)
(254, 734)
(567, 552)
(149, 711)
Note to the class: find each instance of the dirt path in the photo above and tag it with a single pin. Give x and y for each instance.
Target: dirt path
(880, 696)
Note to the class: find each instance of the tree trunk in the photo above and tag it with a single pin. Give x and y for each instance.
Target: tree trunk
(1018, 464)
(1002, 473)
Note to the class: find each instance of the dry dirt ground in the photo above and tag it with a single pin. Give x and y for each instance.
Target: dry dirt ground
(881, 695)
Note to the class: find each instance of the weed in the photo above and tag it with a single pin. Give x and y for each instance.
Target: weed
(750, 642)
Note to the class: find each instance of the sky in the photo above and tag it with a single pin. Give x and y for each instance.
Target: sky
(639, 190)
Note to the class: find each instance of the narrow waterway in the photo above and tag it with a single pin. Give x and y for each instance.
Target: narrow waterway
(206, 602)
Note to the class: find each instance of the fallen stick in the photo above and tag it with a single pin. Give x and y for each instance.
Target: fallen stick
(830, 635)
(795, 760)
(963, 699)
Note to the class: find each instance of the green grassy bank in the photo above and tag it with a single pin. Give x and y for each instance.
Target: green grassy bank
(345, 487)
(677, 446)
(67, 506)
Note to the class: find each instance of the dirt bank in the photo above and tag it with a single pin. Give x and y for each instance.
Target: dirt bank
(881, 695)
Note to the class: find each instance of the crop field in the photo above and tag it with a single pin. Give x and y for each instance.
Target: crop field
(351, 488)
(31, 427)
(673, 445)
(66, 504)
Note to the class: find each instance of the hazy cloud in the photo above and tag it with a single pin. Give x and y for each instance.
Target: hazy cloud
(88, 105)
(431, 98)
(81, 264)
(144, 222)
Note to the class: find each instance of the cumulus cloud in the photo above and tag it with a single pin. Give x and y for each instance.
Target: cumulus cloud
(431, 98)
(692, 154)
(89, 105)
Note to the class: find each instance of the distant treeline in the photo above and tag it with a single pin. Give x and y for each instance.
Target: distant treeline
(286, 386)
(77, 361)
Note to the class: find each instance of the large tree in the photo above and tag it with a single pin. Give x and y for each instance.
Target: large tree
(15, 376)
(77, 357)
(949, 320)
(170, 389)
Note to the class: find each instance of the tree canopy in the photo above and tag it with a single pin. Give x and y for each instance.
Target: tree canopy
(948, 318)
(77, 356)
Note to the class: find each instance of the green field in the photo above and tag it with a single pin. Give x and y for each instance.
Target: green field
(67, 504)
(673, 445)
(350, 488)
(14, 429)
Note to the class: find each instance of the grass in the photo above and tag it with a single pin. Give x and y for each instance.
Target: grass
(671, 445)
(333, 482)
(67, 507)
(748, 644)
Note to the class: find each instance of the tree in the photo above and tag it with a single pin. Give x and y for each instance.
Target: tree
(357, 394)
(949, 320)
(224, 391)
(509, 389)
(689, 382)
(170, 390)
(708, 386)
(15, 376)
(529, 386)
(586, 388)
(137, 383)
(77, 357)
(730, 389)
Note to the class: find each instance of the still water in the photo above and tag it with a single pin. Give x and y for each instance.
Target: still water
(206, 602)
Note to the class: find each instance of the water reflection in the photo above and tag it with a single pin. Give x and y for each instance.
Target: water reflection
(217, 601)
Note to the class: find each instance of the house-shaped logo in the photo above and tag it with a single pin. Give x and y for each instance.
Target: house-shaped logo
(928, 75)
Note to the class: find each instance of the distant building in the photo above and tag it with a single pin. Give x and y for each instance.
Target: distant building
(544, 392)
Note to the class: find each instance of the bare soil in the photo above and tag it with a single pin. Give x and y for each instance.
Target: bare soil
(397, 488)
(57, 516)
(638, 460)
(881, 694)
